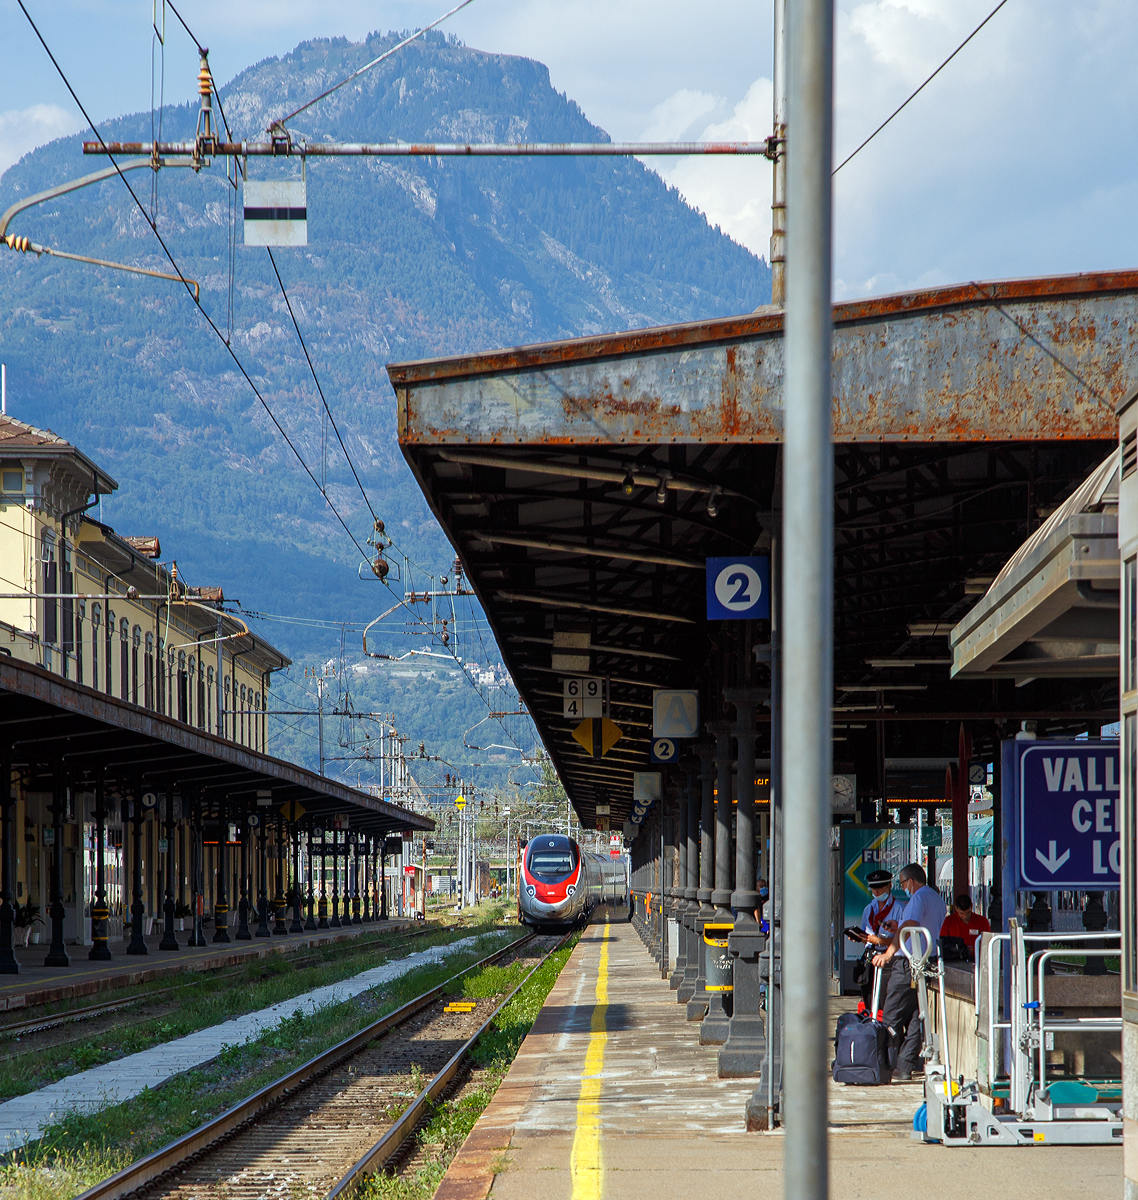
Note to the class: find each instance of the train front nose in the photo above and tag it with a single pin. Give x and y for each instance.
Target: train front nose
(550, 904)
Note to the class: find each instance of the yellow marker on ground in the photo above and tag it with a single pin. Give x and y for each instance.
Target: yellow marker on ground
(585, 1166)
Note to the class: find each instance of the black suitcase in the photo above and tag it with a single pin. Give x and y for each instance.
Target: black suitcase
(861, 1047)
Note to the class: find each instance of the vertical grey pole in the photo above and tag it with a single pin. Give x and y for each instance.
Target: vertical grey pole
(778, 174)
(808, 591)
(219, 694)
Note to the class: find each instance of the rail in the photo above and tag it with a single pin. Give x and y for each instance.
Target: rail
(149, 1170)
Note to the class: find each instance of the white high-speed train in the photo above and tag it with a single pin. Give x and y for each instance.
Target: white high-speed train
(561, 884)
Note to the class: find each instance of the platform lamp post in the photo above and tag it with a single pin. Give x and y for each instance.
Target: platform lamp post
(357, 919)
(323, 906)
(297, 925)
(169, 941)
(350, 917)
(8, 962)
(133, 808)
(244, 933)
(742, 1053)
(807, 592)
(262, 873)
(697, 1005)
(280, 902)
(100, 951)
(310, 923)
(197, 895)
(334, 919)
(366, 889)
(716, 930)
(221, 903)
(57, 953)
(686, 988)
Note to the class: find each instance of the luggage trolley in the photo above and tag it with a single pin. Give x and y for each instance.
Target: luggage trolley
(1064, 1112)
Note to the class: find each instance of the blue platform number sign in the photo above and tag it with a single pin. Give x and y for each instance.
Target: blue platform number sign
(738, 589)
(664, 750)
(1069, 818)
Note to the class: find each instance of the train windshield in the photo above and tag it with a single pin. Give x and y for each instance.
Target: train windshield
(552, 859)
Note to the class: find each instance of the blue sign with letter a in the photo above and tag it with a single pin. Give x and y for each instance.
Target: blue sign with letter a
(1068, 819)
(738, 589)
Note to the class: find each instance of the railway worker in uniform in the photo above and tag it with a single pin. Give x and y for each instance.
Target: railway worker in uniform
(883, 907)
(964, 924)
(925, 908)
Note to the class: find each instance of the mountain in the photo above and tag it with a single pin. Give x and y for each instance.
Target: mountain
(406, 259)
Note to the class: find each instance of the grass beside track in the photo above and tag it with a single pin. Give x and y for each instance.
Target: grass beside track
(83, 1149)
(439, 1141)
(258, 985)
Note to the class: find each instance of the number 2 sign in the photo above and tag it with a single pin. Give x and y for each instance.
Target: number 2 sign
(738, 589)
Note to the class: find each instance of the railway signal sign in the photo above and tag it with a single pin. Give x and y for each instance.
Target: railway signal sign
(738, 588)
(1067, 815)
(582, 696)
(276, 212)
(460, 802)
(597, 736)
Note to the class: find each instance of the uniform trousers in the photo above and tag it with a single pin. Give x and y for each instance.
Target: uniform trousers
(901, 1019)
(867, 986)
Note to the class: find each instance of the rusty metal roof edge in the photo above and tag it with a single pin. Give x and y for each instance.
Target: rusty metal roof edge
(27, 679)
(727, 329)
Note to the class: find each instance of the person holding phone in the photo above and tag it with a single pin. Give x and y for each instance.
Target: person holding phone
(882, 908)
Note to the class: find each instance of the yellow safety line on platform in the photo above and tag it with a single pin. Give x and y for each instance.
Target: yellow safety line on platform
(585, 1165)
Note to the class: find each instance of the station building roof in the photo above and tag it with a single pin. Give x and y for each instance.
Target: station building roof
(584, 483)
(46, 720)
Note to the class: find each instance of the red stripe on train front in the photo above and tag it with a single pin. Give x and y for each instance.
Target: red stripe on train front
(552, 893)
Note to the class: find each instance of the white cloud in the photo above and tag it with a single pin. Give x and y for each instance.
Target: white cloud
(734, 193)
(23, 129)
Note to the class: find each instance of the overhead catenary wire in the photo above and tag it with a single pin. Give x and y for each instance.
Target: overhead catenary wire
(920, 89)
(316, 380)
(188, 284)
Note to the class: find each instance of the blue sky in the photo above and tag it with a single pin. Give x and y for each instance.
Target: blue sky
(1017, 160)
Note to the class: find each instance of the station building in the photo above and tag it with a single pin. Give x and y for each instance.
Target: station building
(136, 712)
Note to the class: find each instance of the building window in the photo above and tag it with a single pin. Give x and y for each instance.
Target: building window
(124, 659)
(227, 723)
(160, 682)
(49, 581)
(67, 609)
(135, 643)
(171, 680)
(148, 673)
(209, 699)
(241, 706)
(182, 698)
(12, 481)
(201, 695)
(191, 689)
(96, 633)
(80, 613)
(109, 632)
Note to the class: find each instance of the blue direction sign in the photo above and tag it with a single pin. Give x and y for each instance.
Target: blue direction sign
(1068, 813)
(738, 589)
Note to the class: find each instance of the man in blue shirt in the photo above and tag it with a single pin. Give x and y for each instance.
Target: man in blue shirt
(925, 909)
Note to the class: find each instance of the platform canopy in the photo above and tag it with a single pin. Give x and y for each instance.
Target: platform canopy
(47, 721)
(585, 482)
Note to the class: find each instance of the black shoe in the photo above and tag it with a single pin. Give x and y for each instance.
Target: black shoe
(902, 1077)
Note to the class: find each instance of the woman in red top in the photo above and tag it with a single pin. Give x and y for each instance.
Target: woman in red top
(962, 922)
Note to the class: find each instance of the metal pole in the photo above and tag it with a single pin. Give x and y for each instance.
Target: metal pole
(808, 591)
(778, 175)
(320, 719)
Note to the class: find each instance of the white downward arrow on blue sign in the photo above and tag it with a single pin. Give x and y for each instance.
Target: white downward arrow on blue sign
(1051, 862)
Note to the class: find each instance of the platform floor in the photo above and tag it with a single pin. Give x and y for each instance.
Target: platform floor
(611, 1096)
(37, 984)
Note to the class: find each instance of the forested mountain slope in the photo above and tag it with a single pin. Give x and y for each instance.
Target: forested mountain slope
(406, 259)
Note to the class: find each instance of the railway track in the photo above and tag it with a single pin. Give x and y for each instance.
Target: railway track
(55, 1020)
(320, 1130)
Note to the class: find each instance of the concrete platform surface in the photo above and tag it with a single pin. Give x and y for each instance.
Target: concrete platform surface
(24, 1118)
(612, 1097)
(37, 984)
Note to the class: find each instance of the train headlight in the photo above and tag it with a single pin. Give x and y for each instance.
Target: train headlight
(570, 890)
(531, 890)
